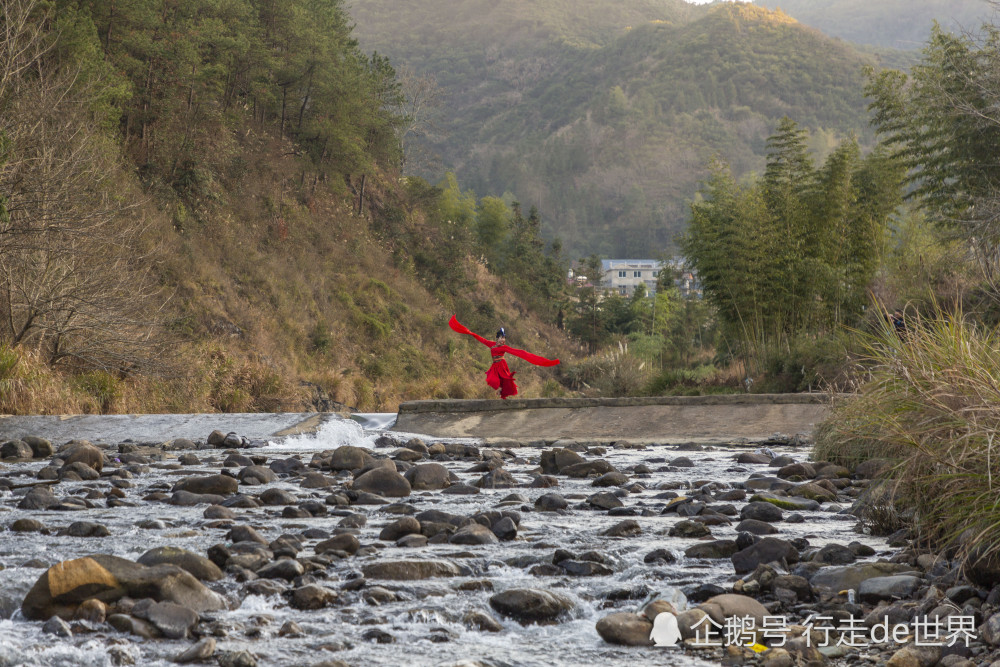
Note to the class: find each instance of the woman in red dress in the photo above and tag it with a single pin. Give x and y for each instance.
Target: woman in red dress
(499, 376)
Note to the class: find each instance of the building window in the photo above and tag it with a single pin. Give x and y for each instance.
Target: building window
(637, 274)
(621, 274)
(623, 291)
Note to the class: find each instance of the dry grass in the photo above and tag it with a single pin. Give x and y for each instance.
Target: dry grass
(256, 313)
(613, 372)
(931, 404)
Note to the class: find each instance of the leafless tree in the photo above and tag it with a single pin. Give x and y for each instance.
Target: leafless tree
(422, 100)
(75, 279)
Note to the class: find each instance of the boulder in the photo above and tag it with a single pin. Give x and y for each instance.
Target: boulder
(350, 458)
(886, 588)
(813, 491)
(790, 503)
(531, 605)
(188, 499)
(797, 472)
(283, 568)
(38, 498)
(687, 528)
(585, 568)
(554, 460)
(78, 470)
(60, 590)
(172, 620)
(871, 468)
(626, 628)
(481, 621)
(755, 527)
(83, 452)
(40, 447)
(839, 578)
(550, 502)
(344, 542)
(728, 605)
(16, 449)
(257, 475)
(611, 479)
(199, 566)
(397, 529)
(626, 528)
(219, 485)
(474, 533)
(605, 500)
(835, 554)
(496, 479)
(383, 482)
(753, 458)
(594, 468)
(199, 652)
(761, 511)
(767, 550)
(428, 477)
(316, 480)
(275, 496)
(312, 596)
(410, 570)
(714, 549)
(85, 529)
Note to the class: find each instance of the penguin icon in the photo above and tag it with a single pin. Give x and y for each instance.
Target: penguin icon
(665, 631)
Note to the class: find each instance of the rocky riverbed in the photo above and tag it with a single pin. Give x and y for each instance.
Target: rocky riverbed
(371, 548)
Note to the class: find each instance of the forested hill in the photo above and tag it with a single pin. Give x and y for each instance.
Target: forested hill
(608, 129)
(201, 208)
(900, 24)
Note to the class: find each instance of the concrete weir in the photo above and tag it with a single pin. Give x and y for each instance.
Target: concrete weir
(158, 428)
(664, 419)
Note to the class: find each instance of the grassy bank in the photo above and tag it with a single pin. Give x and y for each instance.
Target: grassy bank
(930, 405)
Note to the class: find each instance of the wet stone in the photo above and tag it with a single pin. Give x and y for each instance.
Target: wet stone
(198, 652)
(626, 528)
(285, 568)
(531, 605)
(550, 502)
(473, 534)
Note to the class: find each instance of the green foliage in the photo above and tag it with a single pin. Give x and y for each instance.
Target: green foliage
(795, 251)
(176, 72)
(942, 122)
(104, 387)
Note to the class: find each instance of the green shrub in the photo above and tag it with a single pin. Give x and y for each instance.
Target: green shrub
(104, 387)
(320, 338)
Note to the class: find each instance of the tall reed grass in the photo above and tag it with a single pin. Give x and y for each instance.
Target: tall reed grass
(930, 404)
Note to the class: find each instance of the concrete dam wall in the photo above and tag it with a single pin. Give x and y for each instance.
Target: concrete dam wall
(664, 419)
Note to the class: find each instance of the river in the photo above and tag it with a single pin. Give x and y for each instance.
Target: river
(424, 621)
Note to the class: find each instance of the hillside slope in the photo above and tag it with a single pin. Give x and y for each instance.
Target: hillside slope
(610, 139)
(899, 24)
(203, 210)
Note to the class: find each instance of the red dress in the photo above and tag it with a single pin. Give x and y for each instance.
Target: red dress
(499, 376)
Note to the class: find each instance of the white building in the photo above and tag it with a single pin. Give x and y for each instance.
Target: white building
(624, 275)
